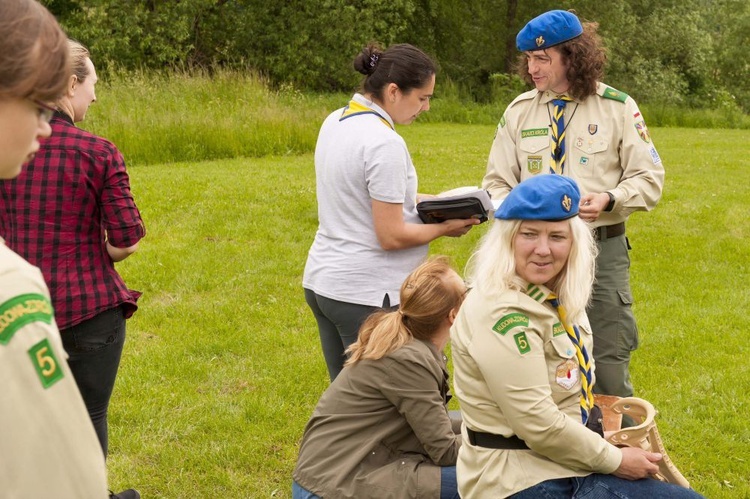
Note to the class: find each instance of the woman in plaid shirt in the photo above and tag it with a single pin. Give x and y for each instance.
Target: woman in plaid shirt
(71, 213)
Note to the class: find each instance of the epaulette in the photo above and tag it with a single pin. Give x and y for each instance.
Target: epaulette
(611, 93)
(524, 96)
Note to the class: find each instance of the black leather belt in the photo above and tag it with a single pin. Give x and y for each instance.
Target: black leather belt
(609, 231)
(492, 441)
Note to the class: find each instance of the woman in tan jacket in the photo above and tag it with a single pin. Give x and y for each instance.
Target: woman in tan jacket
(382, 429)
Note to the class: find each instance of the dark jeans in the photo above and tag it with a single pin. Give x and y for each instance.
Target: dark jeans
(94, 347)
(598, 486)
(338, 325)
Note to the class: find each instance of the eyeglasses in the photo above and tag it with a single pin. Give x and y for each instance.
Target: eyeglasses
(45, 110)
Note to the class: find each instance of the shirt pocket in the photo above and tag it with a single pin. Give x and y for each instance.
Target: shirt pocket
(563, 365)
(535, 154)
(589, 155)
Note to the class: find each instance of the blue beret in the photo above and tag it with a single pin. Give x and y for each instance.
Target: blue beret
(549, 29)
(544, 197)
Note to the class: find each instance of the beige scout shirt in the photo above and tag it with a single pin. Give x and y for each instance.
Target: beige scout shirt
(515, 373)
(381, 430)
(47, 441)
(608, 149)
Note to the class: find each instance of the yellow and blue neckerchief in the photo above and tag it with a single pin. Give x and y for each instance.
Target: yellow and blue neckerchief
(354, 108)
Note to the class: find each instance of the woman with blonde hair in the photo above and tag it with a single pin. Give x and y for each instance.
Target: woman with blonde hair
(523, 370)
(72, 214)
(48, 445)
(381, 429)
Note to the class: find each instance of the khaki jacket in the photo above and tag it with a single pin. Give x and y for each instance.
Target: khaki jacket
(608, 149)
(381, 430)
(48, 443)
(515, 373)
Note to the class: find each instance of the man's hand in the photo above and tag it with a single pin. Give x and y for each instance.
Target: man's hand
(592, 205)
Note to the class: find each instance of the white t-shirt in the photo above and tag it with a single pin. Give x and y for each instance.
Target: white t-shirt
(48, 442)
(358, 159)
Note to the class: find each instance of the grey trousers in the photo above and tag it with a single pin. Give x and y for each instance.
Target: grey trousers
(338, 326)
(612, 320)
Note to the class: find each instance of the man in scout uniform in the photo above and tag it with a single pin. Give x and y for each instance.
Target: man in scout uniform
(571, 124)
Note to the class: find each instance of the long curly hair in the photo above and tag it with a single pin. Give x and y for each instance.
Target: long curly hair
(586, 58)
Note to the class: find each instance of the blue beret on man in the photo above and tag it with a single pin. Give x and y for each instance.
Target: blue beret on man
(544, 197)
(549, 29)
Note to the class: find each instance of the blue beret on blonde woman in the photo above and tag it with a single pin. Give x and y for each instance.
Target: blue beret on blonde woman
(544, 197)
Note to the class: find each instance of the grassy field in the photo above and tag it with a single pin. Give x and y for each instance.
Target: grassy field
(223, 367)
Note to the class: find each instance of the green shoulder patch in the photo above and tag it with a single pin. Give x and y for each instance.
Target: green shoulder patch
(509, 322)
(614, 94)
(522, 343)
(45, 363)
(502, 121)
(558, 329)
(21, 310)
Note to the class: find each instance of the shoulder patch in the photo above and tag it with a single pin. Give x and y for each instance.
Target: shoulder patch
(522, 343)
(21, 310)
(614, 94)
(510, 321)
(558, 329)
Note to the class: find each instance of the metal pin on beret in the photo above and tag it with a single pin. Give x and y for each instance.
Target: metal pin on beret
(544, 197)
(549, 29)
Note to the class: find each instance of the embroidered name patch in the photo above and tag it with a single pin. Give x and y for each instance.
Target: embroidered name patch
(534, 132)
(21, 310)
(509, 322)
(558, 329)
(654, 155)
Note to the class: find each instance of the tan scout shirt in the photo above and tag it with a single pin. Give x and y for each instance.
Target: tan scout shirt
(608, 149)
(381, 430)
(516, 373)
(47, 441)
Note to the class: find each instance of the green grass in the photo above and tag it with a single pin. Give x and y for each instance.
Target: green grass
(223, 367)
(174, 117)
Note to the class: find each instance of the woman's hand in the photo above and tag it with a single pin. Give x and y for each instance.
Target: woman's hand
(458, 227)
(637, 463)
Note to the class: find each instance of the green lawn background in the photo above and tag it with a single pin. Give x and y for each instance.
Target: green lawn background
(222, 366)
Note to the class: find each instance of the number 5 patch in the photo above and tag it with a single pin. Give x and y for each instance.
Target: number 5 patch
(45, 363)
(522, 343)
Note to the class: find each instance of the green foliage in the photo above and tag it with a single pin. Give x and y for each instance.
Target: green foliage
(687, 52)
(222, 366)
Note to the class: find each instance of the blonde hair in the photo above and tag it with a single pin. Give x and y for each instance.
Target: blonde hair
(492, 268)
(427, 297)
(78, 55)
(34, 62)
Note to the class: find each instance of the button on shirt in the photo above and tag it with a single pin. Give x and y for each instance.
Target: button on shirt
(58, 212)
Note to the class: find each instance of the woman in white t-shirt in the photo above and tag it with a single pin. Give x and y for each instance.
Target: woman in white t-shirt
(369, 236)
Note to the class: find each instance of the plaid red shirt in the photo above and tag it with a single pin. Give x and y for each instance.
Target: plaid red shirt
(59, 212)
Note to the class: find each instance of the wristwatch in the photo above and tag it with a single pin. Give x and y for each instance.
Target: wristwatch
(611, 203)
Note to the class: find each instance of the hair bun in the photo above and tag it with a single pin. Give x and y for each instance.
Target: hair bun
(367, 61)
